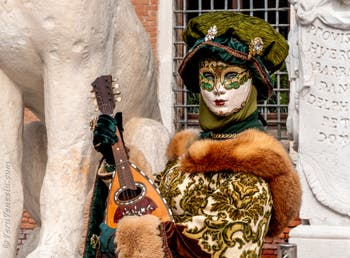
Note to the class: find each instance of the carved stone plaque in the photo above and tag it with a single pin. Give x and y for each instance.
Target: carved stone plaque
(324, 113)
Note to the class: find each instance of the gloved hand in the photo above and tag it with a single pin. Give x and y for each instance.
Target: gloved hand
(104, 137)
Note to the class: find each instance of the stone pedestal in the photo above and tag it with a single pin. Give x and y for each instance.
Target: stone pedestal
(319, 122)
(321, 241)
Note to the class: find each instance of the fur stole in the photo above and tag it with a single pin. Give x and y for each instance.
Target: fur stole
(251, 151)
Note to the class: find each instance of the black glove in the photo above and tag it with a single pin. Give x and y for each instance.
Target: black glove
(104, 137)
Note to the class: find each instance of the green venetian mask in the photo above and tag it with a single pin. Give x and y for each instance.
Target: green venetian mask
(214, 73)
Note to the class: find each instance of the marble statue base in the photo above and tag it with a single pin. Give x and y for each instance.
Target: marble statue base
(321, 241)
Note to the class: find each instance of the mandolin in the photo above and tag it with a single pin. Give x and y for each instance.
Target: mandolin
(131, 191)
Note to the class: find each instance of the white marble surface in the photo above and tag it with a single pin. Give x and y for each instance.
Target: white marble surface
(50, 52)
(319, 124)
(321, 241)
(319, 118)
(334, 13)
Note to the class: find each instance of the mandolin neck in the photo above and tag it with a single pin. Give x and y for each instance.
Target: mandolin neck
(122, 164)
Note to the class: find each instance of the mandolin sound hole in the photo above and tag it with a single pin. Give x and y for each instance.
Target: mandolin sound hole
(126, 195)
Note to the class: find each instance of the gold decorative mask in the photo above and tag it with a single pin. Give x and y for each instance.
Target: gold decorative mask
(214, 73)
(224, 87)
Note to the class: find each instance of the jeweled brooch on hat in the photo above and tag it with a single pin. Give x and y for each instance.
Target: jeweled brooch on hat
(255, 47)
(211, 33)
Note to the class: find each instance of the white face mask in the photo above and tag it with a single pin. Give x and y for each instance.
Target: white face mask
(224, 87)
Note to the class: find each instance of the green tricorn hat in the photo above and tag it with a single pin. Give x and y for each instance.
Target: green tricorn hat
(234, 38)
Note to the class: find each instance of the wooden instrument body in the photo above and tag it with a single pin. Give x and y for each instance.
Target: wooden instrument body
(145, 199)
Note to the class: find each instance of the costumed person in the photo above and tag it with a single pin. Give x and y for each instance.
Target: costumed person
(229, 184)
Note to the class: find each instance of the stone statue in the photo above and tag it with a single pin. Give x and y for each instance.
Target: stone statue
(50, 53)
(331, 12)
(319, 120)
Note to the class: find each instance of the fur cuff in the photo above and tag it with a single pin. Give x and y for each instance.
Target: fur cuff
(139, 237)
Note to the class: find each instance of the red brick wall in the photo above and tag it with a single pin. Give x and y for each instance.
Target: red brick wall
(147, 13)
(271, 244)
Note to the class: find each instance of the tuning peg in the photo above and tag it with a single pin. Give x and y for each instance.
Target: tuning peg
(119, 99)
(95, 102)
(116, 90)
(93, 123)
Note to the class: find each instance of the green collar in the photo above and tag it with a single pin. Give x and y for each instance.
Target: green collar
(250, 122)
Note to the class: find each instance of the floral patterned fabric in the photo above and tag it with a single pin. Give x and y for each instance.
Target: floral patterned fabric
(227, 212)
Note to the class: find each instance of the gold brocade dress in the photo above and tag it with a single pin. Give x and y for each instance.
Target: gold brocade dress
(227, 212)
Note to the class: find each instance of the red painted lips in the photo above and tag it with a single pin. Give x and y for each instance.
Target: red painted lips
(219, 102)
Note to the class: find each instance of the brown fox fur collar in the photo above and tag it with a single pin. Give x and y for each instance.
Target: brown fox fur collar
(251, 151)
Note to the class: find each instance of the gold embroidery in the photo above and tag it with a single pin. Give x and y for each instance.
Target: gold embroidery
(227, 212)
(95, 242)
(223, 135)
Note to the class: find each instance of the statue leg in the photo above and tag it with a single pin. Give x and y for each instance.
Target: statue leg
(71, 160)
(147, 140)
(34, 163)
(11, 195)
